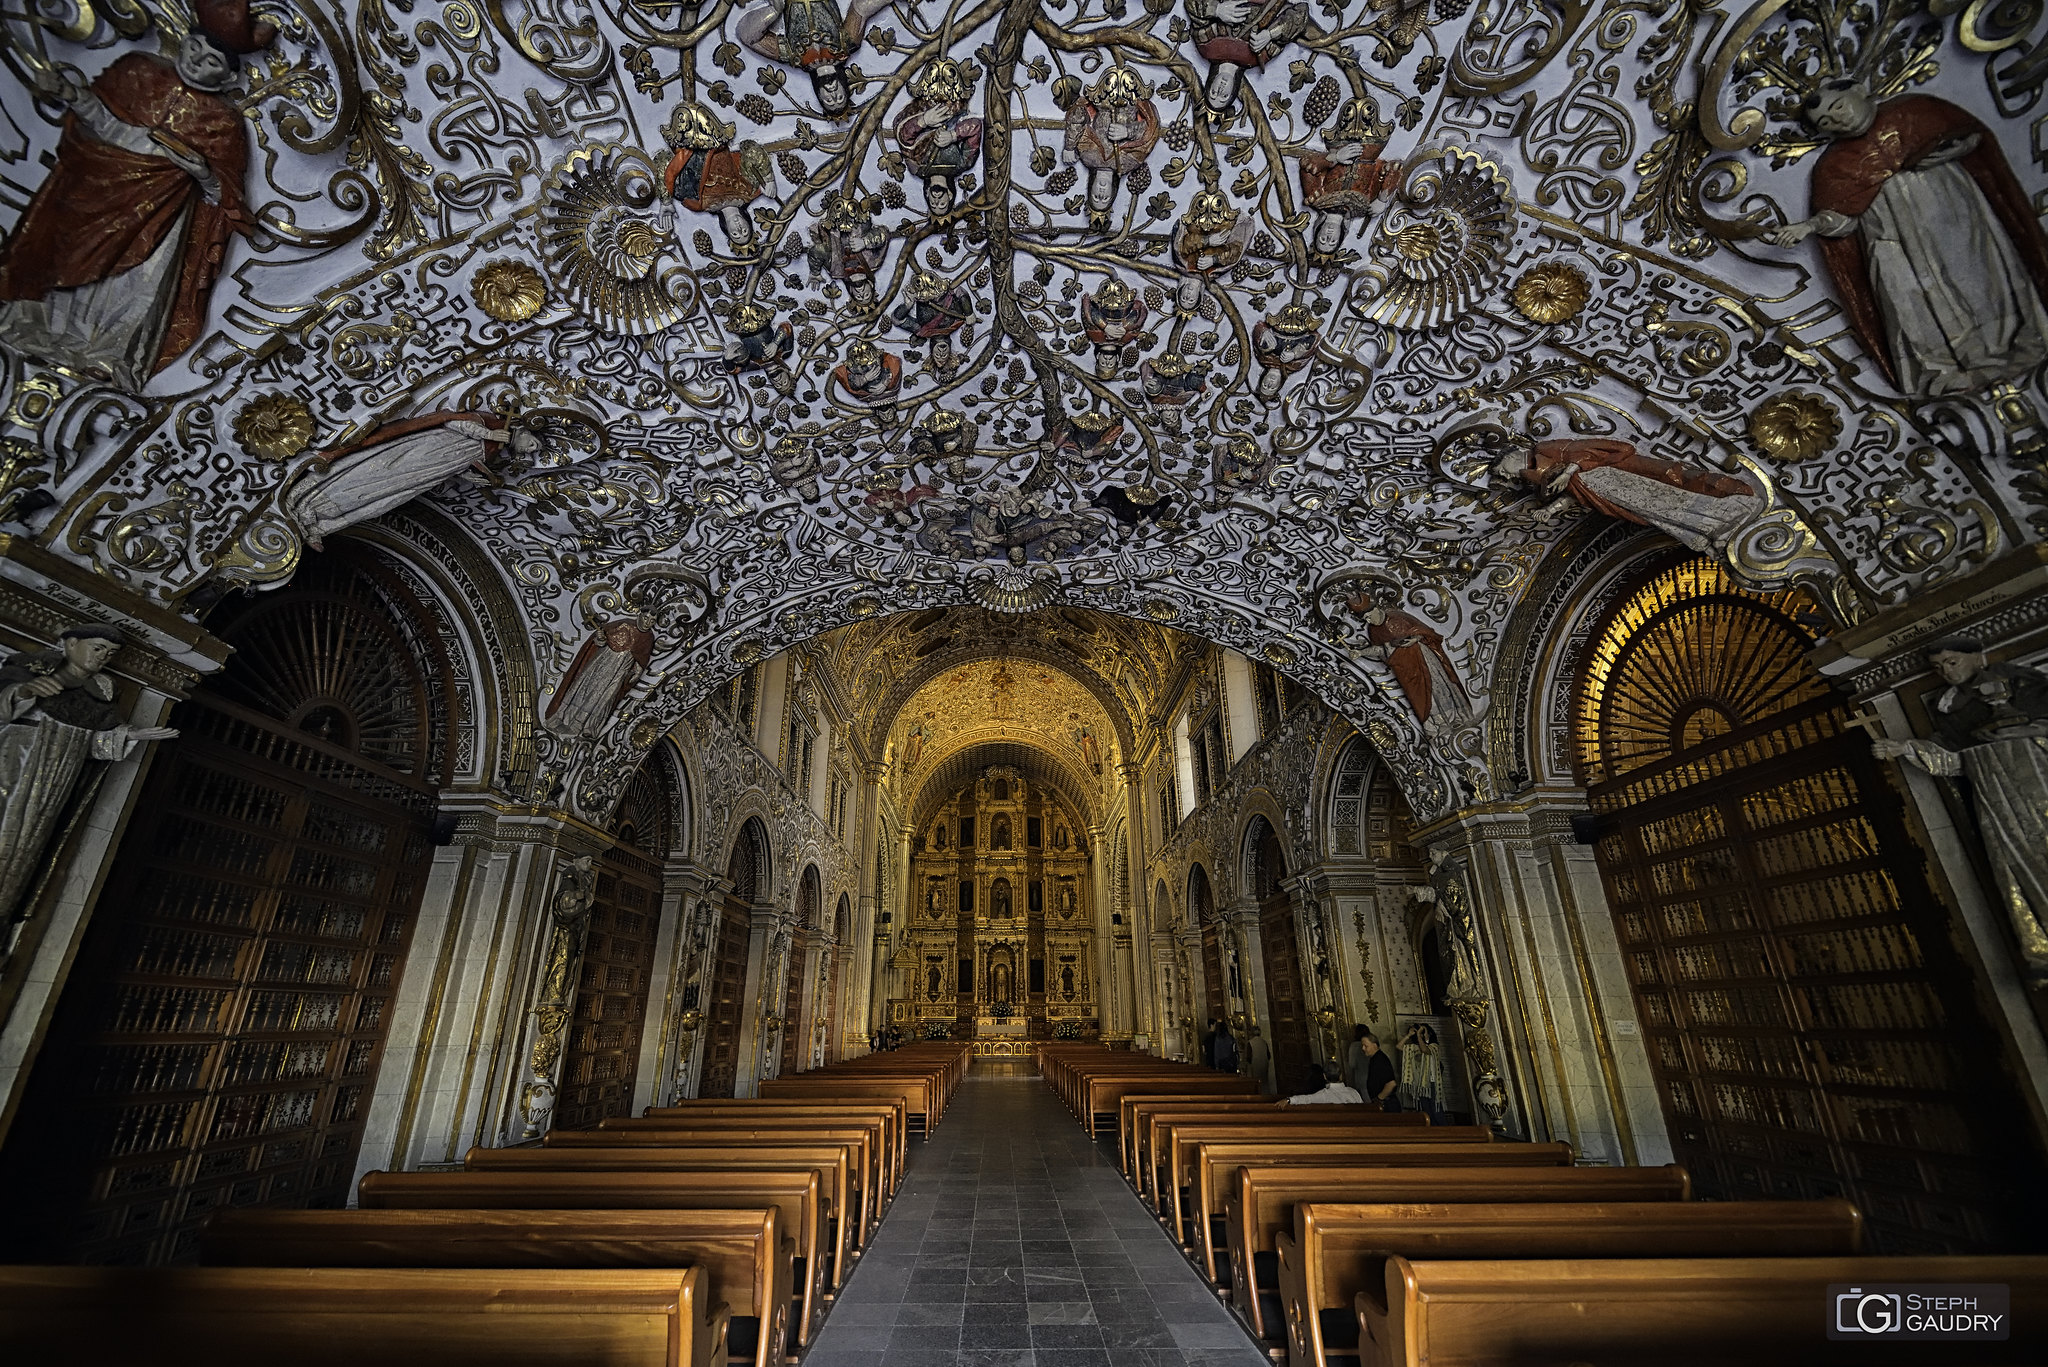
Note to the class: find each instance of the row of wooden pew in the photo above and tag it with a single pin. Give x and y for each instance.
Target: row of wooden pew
(1343, 1236)
(696, 1235)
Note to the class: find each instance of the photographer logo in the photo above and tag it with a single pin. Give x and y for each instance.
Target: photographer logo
(1920, 1312)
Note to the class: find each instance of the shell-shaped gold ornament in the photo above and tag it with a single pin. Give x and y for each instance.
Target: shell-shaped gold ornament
(509, 291)
(1551, 293)
(274, 426)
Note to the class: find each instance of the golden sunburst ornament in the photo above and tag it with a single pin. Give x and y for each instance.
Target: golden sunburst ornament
(1551, 293)
(509, 291)
(274, 426)
(1795, 425)
(1162, 610)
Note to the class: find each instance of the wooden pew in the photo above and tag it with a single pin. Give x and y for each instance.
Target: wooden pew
(890, 1115)
(1101, 1093)
(920, 1095)
(1678, 1312)
(1260, 1206)
(1137, 1112)
(794, 1194)
(1216, 1162)
(866, 1194)
(828, 1161)
(1336, 1251)
(747, 1261)
(352, 1316)
(1172, 1146)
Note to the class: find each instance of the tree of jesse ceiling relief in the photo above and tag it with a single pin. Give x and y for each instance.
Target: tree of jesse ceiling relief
(1275, 321)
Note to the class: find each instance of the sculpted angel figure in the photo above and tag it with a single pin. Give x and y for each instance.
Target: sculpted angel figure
(1700, 509)
(816, 35)
(1111, 130)
(1991, 726)
(1347, 179)
(607, 666)
(1932, 244)
(1235, 34)
(394, 464)
(1210, 238)
(111, 267)
(706, 176)
(849, 246)
(1415, 652)
(938, 139)
(57, 717)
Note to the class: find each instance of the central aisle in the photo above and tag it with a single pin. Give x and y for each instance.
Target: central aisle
(1015, 1243)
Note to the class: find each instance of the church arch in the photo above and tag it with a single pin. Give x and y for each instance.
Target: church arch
(1808, 1023)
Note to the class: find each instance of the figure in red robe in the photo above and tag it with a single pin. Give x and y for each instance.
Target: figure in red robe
(1934, 249)
(1415, 652)
(1700, 509)
(111, 268)
(609, 664)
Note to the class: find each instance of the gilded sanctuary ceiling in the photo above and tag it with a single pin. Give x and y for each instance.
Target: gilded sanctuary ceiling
(1272, 321)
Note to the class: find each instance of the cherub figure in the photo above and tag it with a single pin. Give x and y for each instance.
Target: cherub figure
(1347, 179)
(1111, 129)
(872, 378)
(933, 313)
(705, 175)
(1112, 318)
(758, 342)
(849, 246)
(938, 139)
(1235, 34)
(1284, 344)
(1209, 238)
(816, 35)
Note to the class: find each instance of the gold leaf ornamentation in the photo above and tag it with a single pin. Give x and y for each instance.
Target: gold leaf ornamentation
(509, 291)
(1795, 425)
(274, 426)
(1551, 293)
(1162, 610)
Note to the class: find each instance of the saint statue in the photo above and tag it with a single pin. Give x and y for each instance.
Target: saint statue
(1235, 34)
(759, 342)
(604, 669)
(1284, 343)
(1111, 130)
(816, 35)
(1700, 509)
(1415, 652)
(57, 716)
(1171, 382)
(938, 139)
(913, 750)
(999, 898)
(111, 268)
(394, 464)
(1934, 247)
(1991, 726)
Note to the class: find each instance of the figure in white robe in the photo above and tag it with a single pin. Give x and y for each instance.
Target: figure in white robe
(598, 678)
(393, 465)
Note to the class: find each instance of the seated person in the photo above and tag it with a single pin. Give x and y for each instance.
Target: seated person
(1333, 1092)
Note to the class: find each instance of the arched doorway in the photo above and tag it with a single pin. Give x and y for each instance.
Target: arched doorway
(1201, 910)
(1265, 865)
(809, 896)
(746, 869)
(220, 1033)
(1810, 1027)
(603, 1057)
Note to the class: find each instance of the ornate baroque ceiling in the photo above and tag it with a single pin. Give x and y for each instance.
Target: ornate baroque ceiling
(1211, 313)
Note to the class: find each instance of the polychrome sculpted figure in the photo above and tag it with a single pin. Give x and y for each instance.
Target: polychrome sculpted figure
(758, 342)
(1210, 238)
(939, 141)
(607, 666)
(817, 35)
(1111, 130)
(794, 463)
(111, 268)
(849, 246)
(1415, 652)
(944, 437)
(57, 716)
(1088, 439)
(1347, 179)
(1991, 726)
(1170, 382)
(1235, 34)
(394, 464)
(899, 505)
(1112, 317)
(872, 378)
(1934, 247)
(933, 313)
(1700, 509)
(1284, 344)
(706, 176)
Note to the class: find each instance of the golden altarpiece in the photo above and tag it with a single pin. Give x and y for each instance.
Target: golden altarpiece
(1000, 944)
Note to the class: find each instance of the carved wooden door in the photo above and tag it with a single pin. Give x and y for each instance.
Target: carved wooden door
(1287, 1026)
(1810, 1026)
(1212, 978)
(602, 1060)
(724, 1012)
(793, 1030)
